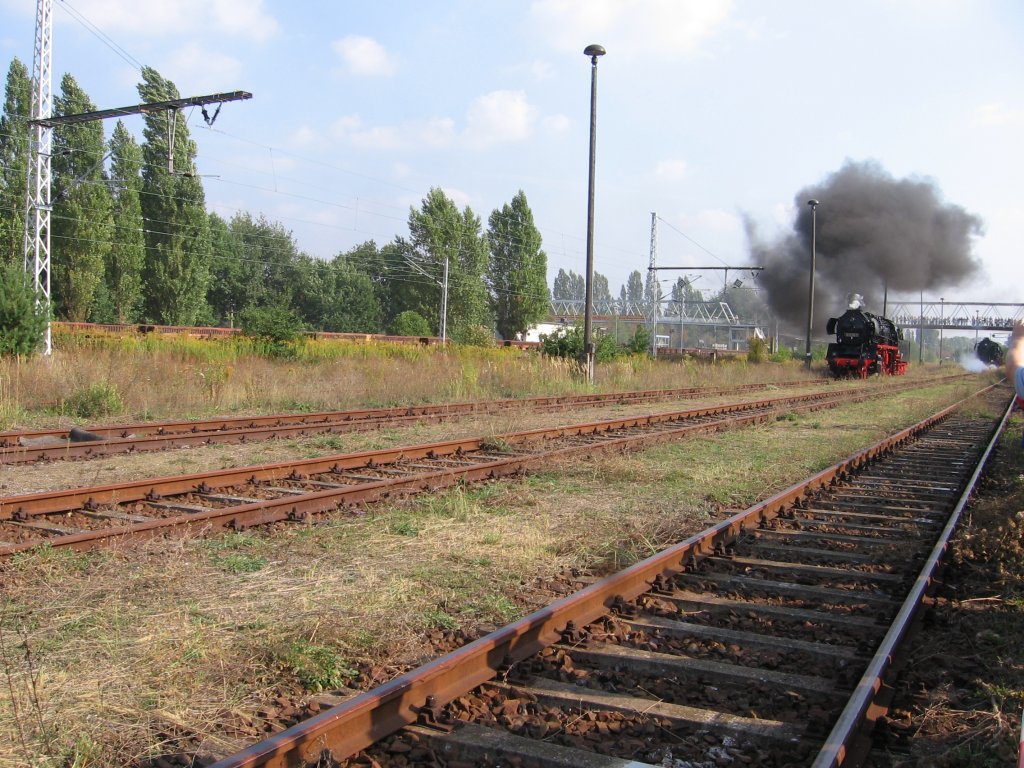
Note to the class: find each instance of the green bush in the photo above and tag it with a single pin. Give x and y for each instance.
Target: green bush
(641, 341)
(563, 342)
(757, 350)
(410, 323)
(22, 323)
(568, 342)
(275, 324)
(475, 336)
(99, 399)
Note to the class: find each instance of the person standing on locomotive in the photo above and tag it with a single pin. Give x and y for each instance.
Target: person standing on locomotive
(1015, 358)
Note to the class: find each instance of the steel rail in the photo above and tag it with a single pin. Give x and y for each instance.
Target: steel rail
(20, 446)
(17, 447)
(353, 725)
(862, 707)
(54, 501)
(21, 509)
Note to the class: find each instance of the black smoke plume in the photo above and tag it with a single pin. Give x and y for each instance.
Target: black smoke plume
(872, 231)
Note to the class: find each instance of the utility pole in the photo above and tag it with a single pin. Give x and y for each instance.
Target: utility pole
(651, 271)
(37, 223)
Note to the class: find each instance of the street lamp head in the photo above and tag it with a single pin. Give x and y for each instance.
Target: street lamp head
(813, 203)
(593, 51)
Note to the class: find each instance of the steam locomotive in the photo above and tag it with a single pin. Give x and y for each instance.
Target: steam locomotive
(865, 344)
(990, 352)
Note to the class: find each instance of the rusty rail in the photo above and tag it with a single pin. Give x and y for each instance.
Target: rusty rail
(597, 436)
(351, 726)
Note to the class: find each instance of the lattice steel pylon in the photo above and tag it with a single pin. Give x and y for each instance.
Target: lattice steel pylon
(37, 222)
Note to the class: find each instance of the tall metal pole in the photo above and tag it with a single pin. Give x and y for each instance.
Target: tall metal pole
(593, 51)
(920, 331)
(942, 321)
(37, 224)
(444, 304)
(810, 295)
(652, 273)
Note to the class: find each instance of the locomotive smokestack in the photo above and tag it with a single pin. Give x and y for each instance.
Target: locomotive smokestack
(873, 232)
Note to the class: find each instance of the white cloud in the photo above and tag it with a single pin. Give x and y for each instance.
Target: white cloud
(195, 70)
(667, 28)
(364, 56)
(305, 136)
(239, 18)
(499, 117)
(457, 196)
(1000, 114)
(556, 124)
(434, 133)
(671, 170)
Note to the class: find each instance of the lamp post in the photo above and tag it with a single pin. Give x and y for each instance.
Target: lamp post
(942, 321)
(920, 331)
(810, 294)
(593, 51)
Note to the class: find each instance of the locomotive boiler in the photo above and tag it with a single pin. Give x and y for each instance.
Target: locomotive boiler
(865, 344)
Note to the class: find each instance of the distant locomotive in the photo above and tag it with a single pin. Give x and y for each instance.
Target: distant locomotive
(990, 352)
(865, 344)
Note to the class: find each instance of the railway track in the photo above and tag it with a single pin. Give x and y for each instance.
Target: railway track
(84, 518)
(764, 640)
(23, 446)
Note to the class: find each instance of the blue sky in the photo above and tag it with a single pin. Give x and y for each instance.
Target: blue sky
(708, 111)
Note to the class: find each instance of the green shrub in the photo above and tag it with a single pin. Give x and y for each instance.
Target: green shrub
(275, 324)
(475, 336)
(318, 667)
(568, 342)
(410, 323)
(99, 399)
(22, 323)
(757, 350)
(641, 341)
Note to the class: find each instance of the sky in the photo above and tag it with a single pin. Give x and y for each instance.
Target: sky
(712, 114)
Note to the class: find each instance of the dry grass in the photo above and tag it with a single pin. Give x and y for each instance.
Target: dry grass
(111, 379)
(113, 656)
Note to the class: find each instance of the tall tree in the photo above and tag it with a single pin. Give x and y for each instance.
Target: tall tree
(81, 222)
(439, 232)
(123, 272)
(652, 292)
(602, 295)
(560, 290)
(632, 293)
(177, 228)
(517, 271)
(14, 158)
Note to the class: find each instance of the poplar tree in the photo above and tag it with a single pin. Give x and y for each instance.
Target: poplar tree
(517, 270)
(81, 222)
(123, 272)
(176, 270)
(14, 158)
(439, 231)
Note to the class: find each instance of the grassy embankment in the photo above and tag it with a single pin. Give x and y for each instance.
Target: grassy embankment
(110, 377)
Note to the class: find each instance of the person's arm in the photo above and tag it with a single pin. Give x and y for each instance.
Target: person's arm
(1015, 358)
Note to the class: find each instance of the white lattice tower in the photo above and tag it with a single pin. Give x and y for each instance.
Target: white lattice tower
(37, 225)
